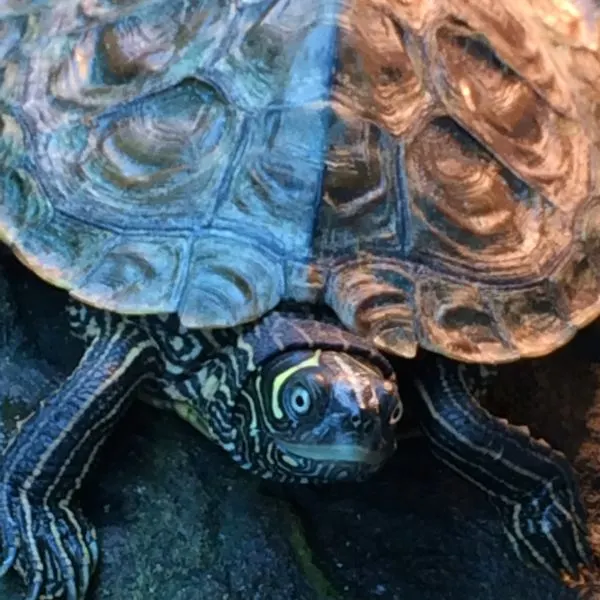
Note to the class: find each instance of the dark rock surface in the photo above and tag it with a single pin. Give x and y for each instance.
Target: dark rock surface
(177, 520)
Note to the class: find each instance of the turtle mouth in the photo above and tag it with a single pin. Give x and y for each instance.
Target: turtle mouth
(348, 453)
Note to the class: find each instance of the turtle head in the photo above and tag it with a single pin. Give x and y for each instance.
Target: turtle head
(316, 415)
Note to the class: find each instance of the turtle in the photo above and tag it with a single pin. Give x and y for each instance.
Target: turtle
(255, 205)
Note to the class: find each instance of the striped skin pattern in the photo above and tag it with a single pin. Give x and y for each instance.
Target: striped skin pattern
(290, 398)
(532, 485)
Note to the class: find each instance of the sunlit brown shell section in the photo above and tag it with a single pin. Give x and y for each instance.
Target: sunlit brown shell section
(469, 133)
(429, 169)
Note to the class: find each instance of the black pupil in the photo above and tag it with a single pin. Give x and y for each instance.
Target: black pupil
(300, 400)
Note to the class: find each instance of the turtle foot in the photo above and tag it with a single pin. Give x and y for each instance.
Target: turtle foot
(548, 530)
(52, 546)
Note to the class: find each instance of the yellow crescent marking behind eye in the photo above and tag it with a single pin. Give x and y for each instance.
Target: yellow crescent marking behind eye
(279, 381)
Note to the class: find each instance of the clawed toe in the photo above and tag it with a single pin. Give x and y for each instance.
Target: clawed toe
(9, 560)
(58, 559)
(10, 543)
(581, 577)
(547, 532)
(35, 588)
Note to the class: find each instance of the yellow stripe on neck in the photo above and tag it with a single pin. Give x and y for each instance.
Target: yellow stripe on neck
(279, 381)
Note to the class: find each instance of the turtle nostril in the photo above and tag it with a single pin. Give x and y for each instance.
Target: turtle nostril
(356, 420)
(369, 426)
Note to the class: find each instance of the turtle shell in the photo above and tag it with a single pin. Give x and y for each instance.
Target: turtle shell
(428, 169)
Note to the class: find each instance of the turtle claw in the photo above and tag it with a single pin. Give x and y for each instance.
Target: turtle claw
(582, 578)
(9, 560)
(52, 547)
(548, 531)
(35, 589)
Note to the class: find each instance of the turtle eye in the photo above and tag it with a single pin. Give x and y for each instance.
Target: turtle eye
(300, 400)
(396, 414)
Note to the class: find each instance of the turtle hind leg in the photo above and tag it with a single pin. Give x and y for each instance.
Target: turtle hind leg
(44, 535)
(533, 486)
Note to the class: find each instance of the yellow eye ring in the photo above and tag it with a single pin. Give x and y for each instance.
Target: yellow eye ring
(396, 414)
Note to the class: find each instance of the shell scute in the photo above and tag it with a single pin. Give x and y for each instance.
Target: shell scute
(426, 168)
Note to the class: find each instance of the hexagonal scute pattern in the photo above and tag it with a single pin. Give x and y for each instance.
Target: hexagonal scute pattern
(428, 168)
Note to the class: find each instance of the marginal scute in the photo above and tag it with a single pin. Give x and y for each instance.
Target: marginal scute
(230, 280)
(579, 283)
(533, 317)
(138, 276)
(589, 233)
(375, 299)
(23, 207)
(62, 250)
(456, 319)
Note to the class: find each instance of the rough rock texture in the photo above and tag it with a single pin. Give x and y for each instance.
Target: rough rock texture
(178, 520)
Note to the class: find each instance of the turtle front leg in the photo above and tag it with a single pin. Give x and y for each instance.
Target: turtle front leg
(44, 535)
(533, 485)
